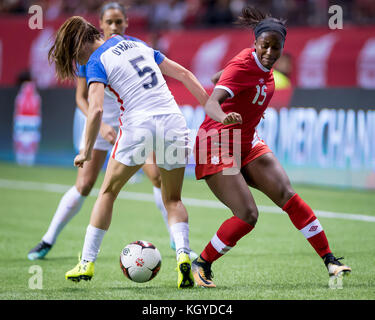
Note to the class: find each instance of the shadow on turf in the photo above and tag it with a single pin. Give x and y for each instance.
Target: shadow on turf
(137, 289)
(71, 289)
(68, 259)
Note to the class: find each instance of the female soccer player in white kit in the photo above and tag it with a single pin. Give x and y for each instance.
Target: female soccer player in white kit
(113, 20)
(150, 121)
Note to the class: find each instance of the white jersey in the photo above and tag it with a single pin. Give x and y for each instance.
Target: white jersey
(131, 75)
(111, 109)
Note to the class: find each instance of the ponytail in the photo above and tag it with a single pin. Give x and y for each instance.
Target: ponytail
(69, 44)
(260, 22)
(250, 17)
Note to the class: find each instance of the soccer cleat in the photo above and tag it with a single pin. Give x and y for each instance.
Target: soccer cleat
(82, 271)
(192, 254)
(203, 274)
(185, 277)
(335, 267)
(39, 251)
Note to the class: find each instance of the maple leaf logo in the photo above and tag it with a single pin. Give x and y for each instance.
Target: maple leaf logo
(215, 160)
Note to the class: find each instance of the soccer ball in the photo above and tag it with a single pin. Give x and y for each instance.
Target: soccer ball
(140, 261)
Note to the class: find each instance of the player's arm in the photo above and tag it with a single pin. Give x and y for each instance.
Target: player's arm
(106, 131)
(173, 69)
(82, 95)
(215, 78)
(214, 111)
(94, 118)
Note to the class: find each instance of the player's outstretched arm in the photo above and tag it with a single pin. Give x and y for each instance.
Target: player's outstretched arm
(173, 69)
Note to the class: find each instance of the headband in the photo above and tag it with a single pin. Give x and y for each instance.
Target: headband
(270, 24)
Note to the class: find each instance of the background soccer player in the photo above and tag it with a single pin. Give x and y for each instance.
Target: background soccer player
(238, 102)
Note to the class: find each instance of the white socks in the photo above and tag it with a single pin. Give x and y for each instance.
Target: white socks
(159, 203)
(71, 203)
(180, 233)
(93, 240)
(68, 207)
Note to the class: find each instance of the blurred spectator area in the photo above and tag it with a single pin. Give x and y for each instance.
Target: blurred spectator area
(198, 34)
(177, 14)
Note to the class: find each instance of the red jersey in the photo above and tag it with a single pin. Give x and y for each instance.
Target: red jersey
(250, 86)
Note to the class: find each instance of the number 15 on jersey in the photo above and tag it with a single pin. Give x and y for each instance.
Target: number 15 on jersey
(261, 94)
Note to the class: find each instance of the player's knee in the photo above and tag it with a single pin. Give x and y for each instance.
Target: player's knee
(249, 215)
(84, 186)
(285, 196)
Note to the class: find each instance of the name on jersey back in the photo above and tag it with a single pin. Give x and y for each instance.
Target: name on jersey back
(123, 46)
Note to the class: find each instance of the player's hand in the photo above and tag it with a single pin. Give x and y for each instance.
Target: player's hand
(108, 132)
(232, 118)
(80, 159)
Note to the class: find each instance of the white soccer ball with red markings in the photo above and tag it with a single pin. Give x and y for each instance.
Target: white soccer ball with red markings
(140, 261)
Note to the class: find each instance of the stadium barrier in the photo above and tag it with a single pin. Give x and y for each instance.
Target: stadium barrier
(318, 143)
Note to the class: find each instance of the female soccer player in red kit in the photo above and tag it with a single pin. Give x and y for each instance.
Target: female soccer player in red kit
(230, 162)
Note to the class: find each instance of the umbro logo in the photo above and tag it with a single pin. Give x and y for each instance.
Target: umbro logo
(313, 228)
(261, 80)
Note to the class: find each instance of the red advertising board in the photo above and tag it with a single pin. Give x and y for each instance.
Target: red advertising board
(321, 57)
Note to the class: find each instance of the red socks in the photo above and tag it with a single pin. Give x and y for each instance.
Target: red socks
(234, 229)
(305, 221)
(226, 238)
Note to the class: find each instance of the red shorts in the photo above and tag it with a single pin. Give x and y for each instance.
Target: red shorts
(214, 160)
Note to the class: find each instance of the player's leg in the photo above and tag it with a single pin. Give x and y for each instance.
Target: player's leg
(70, 203)
(171, 186)
(152, 172)
(232, 191)
(117, 174)
(267, 175)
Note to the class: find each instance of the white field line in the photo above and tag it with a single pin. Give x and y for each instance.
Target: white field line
(147, 197)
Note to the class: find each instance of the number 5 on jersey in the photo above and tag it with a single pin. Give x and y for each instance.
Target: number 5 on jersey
(261, 91)
(144, 71)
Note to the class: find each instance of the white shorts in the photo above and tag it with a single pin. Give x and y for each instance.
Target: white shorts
(167, 135)
(100, 143)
